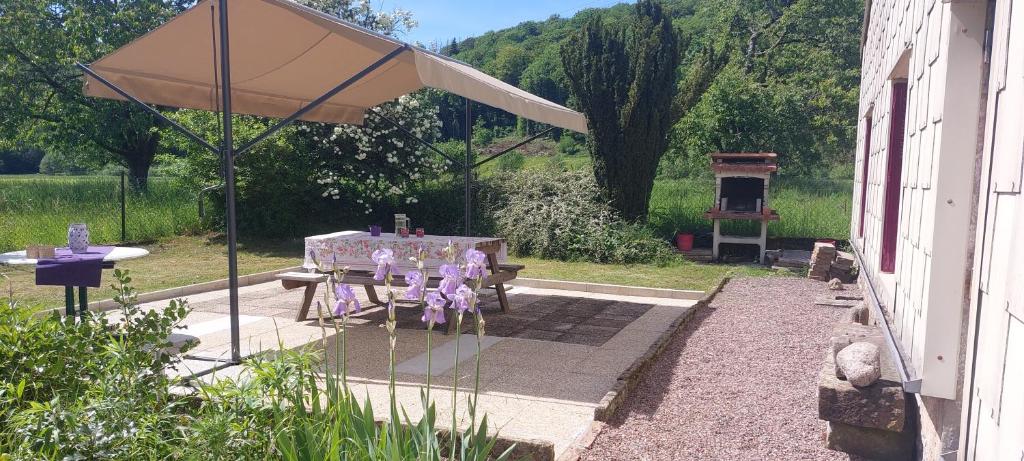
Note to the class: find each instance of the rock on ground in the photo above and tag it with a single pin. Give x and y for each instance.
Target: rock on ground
(860, 363)
(738, 382)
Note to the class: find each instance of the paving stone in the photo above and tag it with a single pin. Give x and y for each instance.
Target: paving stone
(618, 324)
(586, 339)
(624, 308)
(540, 334)
(594, 330)
(560, 327)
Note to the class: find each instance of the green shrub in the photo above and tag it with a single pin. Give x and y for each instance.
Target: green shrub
(53, 163)
(568, 145)
(482, 136)
(561, 215)
(512, 161)
(93, 389)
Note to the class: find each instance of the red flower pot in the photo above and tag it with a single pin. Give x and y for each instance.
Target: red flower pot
(684, 242)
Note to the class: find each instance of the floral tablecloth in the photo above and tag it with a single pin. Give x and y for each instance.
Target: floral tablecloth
(353, 249)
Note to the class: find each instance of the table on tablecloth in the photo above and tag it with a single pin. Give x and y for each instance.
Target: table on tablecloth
(354, 249)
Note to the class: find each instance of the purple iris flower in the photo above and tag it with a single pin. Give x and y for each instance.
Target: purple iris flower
(465, 299)
(476, 261)
(434, 310)
(385, 259)
(312, 257)
(451, 279)
(347, 302)
(415, 281)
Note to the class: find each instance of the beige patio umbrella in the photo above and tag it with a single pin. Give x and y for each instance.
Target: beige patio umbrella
(286, 61)
(285, 55)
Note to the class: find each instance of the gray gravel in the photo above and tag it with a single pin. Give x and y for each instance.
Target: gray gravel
(738, 383)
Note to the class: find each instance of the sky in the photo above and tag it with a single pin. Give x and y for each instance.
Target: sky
(442, 20)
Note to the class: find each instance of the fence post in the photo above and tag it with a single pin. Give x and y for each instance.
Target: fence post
(123, 210)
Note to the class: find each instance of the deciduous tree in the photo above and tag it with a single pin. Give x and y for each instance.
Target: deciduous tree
(41, 99)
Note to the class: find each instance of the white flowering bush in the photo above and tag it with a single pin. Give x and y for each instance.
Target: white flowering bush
(377, 162)
(362, 13)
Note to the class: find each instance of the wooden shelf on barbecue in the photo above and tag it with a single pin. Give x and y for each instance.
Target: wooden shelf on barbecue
(768, 215)
(748, 168)
(769, 156)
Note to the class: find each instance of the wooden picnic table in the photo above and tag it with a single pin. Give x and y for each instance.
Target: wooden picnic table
(354, 249)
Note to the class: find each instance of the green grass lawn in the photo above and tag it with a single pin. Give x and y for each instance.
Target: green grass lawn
(172, 262)
(679, 275)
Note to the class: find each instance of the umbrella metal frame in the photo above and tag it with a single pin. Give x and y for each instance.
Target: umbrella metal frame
(228, 153)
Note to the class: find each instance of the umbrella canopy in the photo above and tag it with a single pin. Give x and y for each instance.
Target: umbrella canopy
(285, 55)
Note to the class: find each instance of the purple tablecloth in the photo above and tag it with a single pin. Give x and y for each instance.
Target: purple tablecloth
(73, 270)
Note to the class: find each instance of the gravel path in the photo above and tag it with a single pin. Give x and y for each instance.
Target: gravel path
(738, 383)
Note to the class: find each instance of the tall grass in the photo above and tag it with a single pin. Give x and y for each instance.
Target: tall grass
(809, 208)
(37, 209)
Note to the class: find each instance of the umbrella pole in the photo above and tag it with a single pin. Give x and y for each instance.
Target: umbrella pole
(227, 152)
(468, 167)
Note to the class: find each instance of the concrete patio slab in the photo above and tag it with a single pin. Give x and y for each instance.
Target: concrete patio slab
(545, 367)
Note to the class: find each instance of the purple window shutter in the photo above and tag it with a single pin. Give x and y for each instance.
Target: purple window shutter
(893, 169)
(864, 176)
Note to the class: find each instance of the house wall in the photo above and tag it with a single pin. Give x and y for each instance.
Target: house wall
(994, 412)
(938, 47)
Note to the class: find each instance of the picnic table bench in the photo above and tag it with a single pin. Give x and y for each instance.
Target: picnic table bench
(340, 248)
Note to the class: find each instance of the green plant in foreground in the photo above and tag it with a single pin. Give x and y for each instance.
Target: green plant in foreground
(320, 418)
(101, 389)
(89, 389)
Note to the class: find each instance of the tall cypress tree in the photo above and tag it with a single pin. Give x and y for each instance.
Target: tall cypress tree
(624, 80)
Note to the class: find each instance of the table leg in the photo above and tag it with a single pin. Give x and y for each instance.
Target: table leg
(492, 259)
(451, 322)
(69, 302)
(83, 302)
(371, 295)
(307, 300)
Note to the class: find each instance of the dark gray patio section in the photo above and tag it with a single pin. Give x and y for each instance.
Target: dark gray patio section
(586, 321)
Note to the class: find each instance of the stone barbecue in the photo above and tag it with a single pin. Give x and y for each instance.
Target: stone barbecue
(741, 193)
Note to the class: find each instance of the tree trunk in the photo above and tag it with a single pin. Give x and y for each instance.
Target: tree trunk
(138, 160)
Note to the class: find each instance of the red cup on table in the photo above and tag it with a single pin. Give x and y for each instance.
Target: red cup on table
(404, 232)
(419, 232)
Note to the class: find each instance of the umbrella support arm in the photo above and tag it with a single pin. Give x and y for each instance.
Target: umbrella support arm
(185, 131)
(418, 139)
(270, 131)
(322, 99)
(518, 145)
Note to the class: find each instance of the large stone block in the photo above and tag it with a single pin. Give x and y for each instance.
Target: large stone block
(881, 405)
(869, 443)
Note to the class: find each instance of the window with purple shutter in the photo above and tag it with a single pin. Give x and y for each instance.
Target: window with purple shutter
(893, 169)
(864, 175)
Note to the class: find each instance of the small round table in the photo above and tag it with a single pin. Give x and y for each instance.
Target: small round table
(18, 258)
